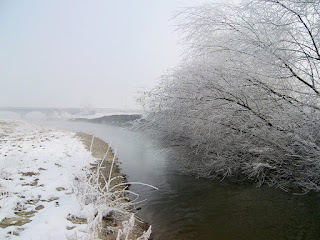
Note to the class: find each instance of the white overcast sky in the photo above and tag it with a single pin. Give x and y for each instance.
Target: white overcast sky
(84, 53)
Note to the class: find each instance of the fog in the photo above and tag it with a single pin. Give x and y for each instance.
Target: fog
(85, 53)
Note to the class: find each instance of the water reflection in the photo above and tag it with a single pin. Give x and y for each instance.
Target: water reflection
(204, 209)
(189, 208)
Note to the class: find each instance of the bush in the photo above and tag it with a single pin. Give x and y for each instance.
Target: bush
(245, 99)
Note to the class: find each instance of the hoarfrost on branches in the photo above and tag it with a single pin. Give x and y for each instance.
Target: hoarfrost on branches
(245, 99)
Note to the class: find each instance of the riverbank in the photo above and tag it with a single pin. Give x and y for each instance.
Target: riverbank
(53, 187)
(99, 148)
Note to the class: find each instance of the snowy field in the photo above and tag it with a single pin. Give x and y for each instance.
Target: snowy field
(42, 171)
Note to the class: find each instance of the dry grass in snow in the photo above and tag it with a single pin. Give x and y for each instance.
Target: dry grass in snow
(51, 187)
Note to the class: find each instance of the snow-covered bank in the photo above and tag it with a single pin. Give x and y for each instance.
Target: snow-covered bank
(47, 185)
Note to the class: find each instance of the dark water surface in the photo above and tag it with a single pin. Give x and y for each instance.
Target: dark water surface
(185, 207)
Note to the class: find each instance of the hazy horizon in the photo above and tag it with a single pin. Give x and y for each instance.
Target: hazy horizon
(85, 54)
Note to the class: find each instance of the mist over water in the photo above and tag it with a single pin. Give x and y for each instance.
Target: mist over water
(240, 81)
(186, 207)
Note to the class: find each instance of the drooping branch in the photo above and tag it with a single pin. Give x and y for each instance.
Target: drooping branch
(316, 49)
(245, 99)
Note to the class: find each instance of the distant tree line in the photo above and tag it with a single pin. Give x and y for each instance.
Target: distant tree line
(244, 101)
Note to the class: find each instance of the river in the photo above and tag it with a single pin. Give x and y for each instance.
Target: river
(186, 207)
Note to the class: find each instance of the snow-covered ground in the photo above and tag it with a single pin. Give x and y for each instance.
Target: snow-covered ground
(92, 113)
(62, 113)
(102, 114)
(37, 171)
(40, 170)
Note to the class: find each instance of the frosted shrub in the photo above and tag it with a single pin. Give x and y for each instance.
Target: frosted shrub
(244, 101)
(100, 197)
(128, 228)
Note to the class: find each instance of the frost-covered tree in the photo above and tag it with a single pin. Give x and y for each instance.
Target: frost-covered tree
(245, 99)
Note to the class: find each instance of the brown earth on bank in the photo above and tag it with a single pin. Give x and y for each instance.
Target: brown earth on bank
(99, 149)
